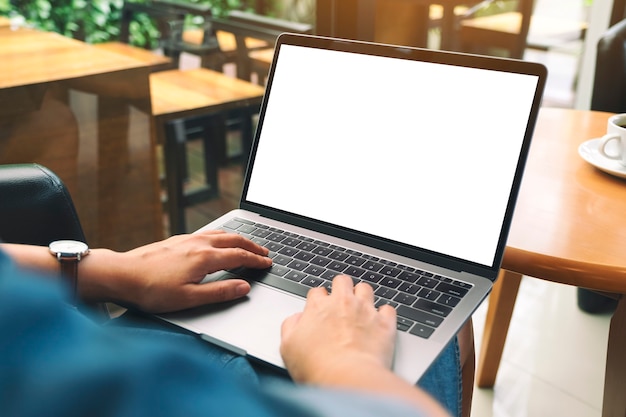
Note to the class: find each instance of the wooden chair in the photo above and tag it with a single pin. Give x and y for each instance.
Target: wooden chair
(547, 32)
(201, 100)
(260, 62)
(214, 47)
(195, 105)
(189, 105)
(609, 85)
(245, 26)
(435, 13)
(509, 30)
(506, 31)
(227, 43)
(436, 18)
(170, 17)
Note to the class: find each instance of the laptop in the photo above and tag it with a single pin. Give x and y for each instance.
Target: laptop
(397, 166)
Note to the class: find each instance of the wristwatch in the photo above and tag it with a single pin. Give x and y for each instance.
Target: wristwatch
(69, 253)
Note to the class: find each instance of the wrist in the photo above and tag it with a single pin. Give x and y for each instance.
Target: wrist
(104, 277)
(366, 374)
(355, 370)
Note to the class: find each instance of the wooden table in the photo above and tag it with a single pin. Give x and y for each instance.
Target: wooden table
(569, 227)
(84, 112)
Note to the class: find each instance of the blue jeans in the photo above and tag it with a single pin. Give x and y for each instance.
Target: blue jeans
(442, 380)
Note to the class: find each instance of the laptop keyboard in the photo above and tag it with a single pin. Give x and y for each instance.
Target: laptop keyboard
(422, 299)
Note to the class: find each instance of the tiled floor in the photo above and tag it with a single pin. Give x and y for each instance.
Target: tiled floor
(553, 361)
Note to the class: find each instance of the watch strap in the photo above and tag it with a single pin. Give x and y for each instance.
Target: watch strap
(69, 253)
(69, 270)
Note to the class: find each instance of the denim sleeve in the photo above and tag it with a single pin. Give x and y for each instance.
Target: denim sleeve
(56, 362)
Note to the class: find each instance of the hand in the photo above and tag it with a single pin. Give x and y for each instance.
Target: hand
(338, 331)
(341, 340)
(164, 276)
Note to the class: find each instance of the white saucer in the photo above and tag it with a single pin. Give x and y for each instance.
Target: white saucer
(589, 152)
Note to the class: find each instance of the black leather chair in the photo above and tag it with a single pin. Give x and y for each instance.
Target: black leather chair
(36, 208)
(608, 94)
(609, 85)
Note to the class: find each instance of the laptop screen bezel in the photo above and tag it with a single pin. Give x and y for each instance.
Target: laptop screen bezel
(434, 56)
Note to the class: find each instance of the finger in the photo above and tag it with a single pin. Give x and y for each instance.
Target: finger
(342, 284)
(388, 312)
(230, 258)
(316, 292)
(289, 324)
(210, 259)
(218, 291)
(209, 232)
(364, 291)
(232, 240)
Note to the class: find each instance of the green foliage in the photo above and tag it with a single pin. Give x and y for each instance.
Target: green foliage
(97, 20)
(89, 20)
(143, 32)
(5, 7)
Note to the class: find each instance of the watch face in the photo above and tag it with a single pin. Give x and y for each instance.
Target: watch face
(69, 248)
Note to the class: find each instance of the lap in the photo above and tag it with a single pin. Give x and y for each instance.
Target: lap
(442, 380)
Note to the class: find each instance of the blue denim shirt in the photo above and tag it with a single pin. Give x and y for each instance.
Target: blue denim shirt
(56, 362)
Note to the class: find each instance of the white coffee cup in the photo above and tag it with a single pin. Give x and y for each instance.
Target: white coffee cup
(615, 131)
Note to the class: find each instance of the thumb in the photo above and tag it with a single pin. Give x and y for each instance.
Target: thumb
(289, 324)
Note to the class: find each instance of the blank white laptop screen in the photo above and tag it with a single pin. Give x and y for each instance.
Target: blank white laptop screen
(415, 152)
